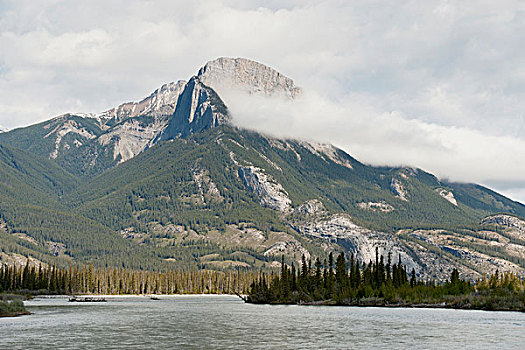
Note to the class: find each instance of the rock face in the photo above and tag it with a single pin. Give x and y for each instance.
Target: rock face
(398, 189)
(512, 224)
(289, 247)
(66, 127)
(131, 127)
(359, 241)
(198, 108)
(176, 109)
(505, 220)
(441, 250)
(162, 101)
(132, 136)
(311, 207)
(448, 195)
(376, 206)
(245, 75)
(271, 193)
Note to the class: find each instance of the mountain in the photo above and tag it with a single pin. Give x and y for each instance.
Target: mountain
(3, 129)
(34, 222)
(87, 144)
(171, 180)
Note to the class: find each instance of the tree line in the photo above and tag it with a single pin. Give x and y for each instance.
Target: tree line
(87, 279)
(382, 283)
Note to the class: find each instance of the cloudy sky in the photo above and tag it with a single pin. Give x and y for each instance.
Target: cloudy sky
(434, 84)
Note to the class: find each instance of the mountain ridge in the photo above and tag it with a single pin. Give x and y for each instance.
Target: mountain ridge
(176, 182)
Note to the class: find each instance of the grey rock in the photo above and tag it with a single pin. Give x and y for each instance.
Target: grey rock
(271, 193)
(225, 74)
(198, 108)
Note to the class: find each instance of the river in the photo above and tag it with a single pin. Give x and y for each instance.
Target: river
(225, 322)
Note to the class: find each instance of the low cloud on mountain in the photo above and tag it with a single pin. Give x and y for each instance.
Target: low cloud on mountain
(437, 85)
(376, 137)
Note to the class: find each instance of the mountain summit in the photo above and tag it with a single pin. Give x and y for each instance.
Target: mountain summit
(95, 142)
(240, 74)
(170, 180)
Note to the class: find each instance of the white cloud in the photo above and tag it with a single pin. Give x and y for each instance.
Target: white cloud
(375, 137)
(436, 84)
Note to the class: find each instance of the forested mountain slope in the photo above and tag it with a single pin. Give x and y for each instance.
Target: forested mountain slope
(170, 181)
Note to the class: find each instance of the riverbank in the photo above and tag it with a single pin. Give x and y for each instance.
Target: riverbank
(464, 302)
(13, 308)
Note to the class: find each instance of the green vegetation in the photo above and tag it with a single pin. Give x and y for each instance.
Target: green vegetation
(10, 308)
(61, 212)
(382, 283)
(39, 139)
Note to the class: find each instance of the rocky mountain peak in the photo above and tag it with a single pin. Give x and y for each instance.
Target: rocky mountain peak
(198, 108)
(161, 102)
(3, 129)
(239, 74)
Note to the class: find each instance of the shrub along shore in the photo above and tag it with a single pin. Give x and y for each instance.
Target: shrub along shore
(384, 284)
(12, 308)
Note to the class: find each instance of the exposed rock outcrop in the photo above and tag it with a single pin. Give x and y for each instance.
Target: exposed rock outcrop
(226, 74)
(162, 101)
(441, 250)
(290, 248)
(207, 188)
(359, 241)
(514, 225)
(132, 136)
(398, 189)
(311, 207)
(448, 195)
(64, 128)
(198, 108)
(271, 193)
(376, 206)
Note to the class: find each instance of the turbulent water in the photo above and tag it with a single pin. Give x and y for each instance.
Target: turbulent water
(224, 322)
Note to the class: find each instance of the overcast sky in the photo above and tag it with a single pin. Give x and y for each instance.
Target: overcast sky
(433, 84)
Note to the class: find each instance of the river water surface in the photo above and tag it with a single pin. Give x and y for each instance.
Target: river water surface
(225, 322)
